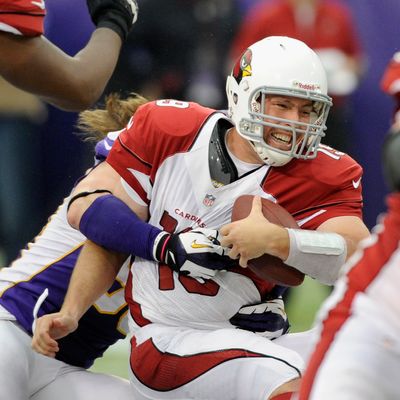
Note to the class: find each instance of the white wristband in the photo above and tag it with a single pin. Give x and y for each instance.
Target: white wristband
(317, 254)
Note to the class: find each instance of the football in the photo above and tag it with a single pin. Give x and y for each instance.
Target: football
(268, 267)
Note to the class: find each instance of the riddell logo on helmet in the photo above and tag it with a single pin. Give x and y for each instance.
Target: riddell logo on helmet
(306, 86)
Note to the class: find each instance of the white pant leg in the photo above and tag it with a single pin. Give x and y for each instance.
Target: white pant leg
(301, 342)
(85, 385)
(230, 364)
(15, 360)
(25, 374)
(363, 363)
(22, 371)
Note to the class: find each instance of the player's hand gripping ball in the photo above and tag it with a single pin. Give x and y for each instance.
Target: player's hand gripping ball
(269, 267)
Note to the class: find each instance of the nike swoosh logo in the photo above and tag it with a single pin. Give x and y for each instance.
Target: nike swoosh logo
(195, 245)
(356, 183)
(130, 123)
(40, 4)
(107, 146)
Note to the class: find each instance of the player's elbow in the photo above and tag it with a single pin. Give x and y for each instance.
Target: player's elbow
(82, 92)
(76, 208)
(87, 97)
(80, 99)
(74, 216)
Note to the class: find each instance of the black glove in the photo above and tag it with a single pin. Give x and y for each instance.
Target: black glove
(196, 253)
(118, 15)
(267, 319)
(391, 159)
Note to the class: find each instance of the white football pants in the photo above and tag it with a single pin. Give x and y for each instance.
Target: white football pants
(25, 374)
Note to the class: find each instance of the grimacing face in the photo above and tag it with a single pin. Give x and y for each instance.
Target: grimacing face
(288, 108)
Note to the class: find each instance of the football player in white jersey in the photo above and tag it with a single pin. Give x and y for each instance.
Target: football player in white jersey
(171, 179)
(44, 268)
(34, 64)
(359, 323)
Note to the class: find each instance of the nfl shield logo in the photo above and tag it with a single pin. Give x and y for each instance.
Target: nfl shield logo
(209, 200)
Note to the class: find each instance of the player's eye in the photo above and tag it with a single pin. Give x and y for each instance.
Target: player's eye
(281, 106)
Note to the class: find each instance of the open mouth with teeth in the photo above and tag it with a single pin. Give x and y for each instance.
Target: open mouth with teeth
(282, 141)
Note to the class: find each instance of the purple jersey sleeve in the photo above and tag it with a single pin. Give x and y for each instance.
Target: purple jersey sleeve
(104, 146)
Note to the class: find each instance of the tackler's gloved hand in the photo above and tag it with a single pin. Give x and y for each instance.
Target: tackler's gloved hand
(118, 15)
(197, 253)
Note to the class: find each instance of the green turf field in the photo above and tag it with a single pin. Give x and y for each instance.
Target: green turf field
(301, 307)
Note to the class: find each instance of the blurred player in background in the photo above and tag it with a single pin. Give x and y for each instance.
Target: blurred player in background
(390, 84)
(179, 167)
(45, 267)
(357, 356)
(330, 29)
(32, 63)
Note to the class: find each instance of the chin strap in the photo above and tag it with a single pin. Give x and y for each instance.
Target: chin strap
(271, 157)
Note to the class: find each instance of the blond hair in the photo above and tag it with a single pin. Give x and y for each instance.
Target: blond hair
(95, 124)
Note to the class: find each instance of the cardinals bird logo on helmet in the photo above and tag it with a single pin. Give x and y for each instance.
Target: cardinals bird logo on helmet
(242, 67)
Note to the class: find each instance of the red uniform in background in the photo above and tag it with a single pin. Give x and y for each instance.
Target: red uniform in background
(357, 354)
(22, 17)
(332, 27)
(390, 82)
(359, 323)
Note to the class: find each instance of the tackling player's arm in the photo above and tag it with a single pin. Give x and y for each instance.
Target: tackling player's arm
(71, 83)
(96, 267)
(101, 181)
(103, 211)
(94, 273)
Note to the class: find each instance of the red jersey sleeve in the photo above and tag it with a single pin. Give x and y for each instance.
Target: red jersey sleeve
(314, 191)
(157, 131)
(22, 17)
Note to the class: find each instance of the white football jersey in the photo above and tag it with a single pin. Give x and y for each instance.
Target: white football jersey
(359, 323)
(163, 160)
(368, 284)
